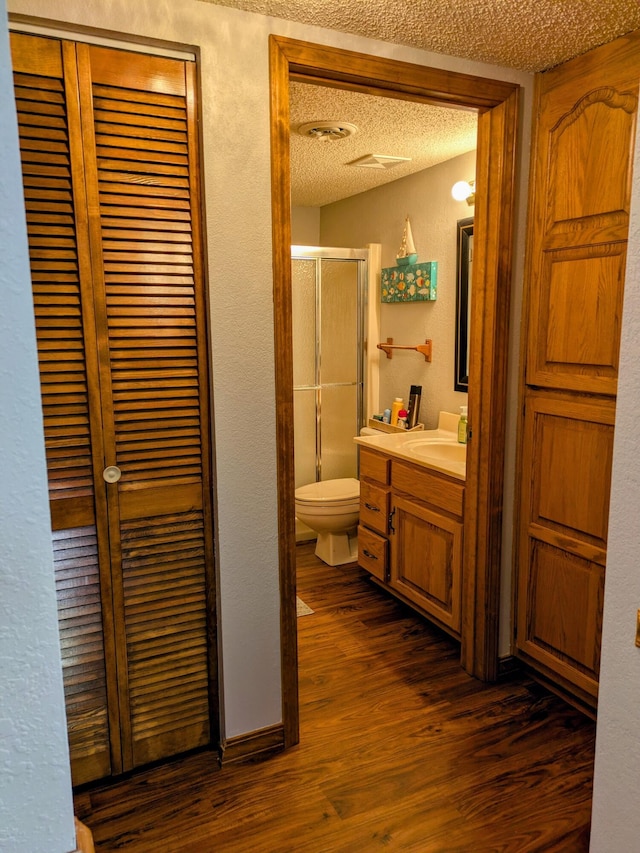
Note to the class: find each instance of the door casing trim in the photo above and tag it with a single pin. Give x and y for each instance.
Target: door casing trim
(496, 103)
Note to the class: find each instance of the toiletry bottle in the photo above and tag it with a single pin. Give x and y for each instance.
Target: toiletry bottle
(397, 404)
(413, 409)
(386, 416)
(462, 425)
(402, 418)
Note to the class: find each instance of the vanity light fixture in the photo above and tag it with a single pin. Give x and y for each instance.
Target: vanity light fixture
(464, 191)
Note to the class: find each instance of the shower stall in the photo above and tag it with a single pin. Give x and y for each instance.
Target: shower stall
(329, 294)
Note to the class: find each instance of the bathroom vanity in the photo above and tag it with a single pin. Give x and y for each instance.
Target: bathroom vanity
(411, 509)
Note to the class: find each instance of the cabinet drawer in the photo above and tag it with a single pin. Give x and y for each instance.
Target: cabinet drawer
(429, 487)
(374, 466)
(374, 507)
(373, 553)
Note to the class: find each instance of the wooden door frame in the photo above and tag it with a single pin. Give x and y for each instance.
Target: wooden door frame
(496, 103)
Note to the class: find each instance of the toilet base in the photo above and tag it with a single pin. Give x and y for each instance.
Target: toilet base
(336, 549)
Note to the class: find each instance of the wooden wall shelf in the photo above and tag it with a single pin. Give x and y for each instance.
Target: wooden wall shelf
(424, 348)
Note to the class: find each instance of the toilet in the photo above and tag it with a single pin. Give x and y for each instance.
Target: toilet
(331, 509)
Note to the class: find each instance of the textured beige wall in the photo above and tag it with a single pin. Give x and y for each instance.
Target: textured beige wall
(378, 216)
(305, 226)
(36, 807)
(616, 793)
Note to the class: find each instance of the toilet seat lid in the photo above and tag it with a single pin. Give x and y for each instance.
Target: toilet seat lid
(326, 491)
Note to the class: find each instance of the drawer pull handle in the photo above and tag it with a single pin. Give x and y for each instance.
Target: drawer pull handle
(369, 554)
(372, 508)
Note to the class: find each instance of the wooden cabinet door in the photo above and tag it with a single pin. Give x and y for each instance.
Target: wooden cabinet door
(585, 128)
(567, 450)
(426, 560)
(579, 212)
(109, 156)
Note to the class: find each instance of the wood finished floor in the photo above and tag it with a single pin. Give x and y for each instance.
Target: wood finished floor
(400, 751)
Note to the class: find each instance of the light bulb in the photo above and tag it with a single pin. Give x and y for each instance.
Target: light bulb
(461, 190)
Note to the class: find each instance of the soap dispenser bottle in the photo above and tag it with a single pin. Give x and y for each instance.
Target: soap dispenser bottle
(462, 425)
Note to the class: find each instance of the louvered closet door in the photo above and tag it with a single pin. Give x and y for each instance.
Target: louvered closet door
(144, 395)
(142, 188)
(48, 117)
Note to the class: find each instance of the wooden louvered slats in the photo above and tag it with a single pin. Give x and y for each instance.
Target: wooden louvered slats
(57, 300)
(165, 617)
(149, 290)
(55, 268)
(172, 246)
(82, 647)
(165, 143)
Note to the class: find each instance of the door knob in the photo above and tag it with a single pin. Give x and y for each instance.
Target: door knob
(112, 474)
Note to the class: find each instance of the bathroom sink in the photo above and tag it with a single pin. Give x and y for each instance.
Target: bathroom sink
(444, 450)
(434, 448)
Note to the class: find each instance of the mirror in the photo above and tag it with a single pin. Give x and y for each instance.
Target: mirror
(463, 301)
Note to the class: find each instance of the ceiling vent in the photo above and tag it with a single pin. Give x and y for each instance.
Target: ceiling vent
(325, 130)
(378, 161)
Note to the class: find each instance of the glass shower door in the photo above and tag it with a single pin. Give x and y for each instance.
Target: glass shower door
(328, 311)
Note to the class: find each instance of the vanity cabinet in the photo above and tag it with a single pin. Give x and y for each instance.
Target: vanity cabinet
(410, 535)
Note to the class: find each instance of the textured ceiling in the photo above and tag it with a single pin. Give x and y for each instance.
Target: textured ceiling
(319, 170)
(531, 35)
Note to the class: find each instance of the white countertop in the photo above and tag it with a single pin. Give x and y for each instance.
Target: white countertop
(427, 448)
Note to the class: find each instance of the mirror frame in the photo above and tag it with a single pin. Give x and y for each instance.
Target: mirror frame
(463, 300)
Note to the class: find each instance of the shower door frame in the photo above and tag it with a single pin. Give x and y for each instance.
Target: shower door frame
(361, 258)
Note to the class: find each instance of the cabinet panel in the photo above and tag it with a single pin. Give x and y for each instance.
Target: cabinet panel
(568, 450)
(428, 486)
(586, 114)
(426, 563)
(373, 553)
(559, 621)
(588, 148)
(579, 305)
